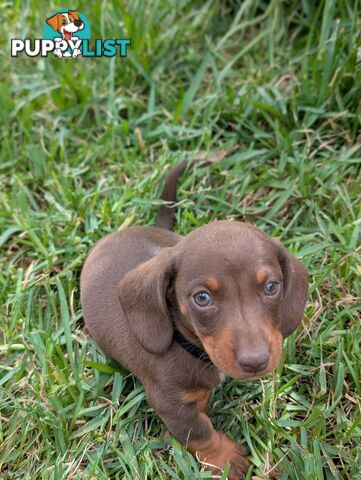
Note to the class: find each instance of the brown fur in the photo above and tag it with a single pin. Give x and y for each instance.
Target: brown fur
(137, 285)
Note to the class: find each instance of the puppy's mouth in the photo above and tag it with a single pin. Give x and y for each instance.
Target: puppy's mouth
(67, 35)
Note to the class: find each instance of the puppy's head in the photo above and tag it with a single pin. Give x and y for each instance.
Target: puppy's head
(235, 289)
(66, 23)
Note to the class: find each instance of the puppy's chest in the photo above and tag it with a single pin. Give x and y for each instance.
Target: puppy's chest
(222, 379)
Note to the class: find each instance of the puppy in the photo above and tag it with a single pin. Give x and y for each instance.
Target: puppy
(66, 24)
(183, 312)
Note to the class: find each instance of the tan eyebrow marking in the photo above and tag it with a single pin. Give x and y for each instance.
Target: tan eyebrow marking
(261, 275)
(212, 283)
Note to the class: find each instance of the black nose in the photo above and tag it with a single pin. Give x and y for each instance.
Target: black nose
(77, 23)
(253, 361)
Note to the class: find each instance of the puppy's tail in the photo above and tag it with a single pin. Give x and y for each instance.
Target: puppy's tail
(165, 217)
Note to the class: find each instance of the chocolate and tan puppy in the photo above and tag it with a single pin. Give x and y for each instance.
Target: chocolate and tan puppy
(183, 312)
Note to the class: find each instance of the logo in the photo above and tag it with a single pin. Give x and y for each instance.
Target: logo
(67, 35)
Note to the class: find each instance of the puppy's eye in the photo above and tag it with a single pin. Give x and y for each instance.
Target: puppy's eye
(202, 299)
(63, 21)
(271, 288)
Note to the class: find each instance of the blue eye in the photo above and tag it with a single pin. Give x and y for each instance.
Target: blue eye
(271, 288)
(202, 299)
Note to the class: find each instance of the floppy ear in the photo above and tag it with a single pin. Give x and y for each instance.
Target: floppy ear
(74, 13)
(53, 22)
(143, 297)
(295, 291)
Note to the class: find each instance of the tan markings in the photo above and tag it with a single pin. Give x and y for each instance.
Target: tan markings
(261, 276)
(212, 283)
(183, 309)
(217, 451)
(274, 337)
(202, 404)
(199, 396)
(220, 348)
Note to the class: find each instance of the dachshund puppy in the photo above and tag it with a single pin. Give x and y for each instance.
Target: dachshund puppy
(183, 312)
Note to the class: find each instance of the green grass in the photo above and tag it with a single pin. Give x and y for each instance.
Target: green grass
(84, 147)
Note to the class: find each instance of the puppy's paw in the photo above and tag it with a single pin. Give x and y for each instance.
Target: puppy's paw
(236, 454)
(219, 450)
(239, 468)
(76, 53)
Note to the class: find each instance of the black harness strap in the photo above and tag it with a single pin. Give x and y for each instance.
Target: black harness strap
(189, 347)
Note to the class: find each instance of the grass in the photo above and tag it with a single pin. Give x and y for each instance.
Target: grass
(84, 147)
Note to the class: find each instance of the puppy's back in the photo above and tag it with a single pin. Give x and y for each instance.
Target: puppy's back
(106, 264)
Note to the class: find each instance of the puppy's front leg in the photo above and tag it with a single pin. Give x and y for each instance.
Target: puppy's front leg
(183, 414)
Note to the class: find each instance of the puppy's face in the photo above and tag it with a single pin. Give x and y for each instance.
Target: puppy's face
(228, 286)
(239, 292)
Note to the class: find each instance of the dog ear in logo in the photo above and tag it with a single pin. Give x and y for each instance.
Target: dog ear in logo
(54, 21)
(75, 15)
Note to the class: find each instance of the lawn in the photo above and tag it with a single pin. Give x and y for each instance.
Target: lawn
(85, 145)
